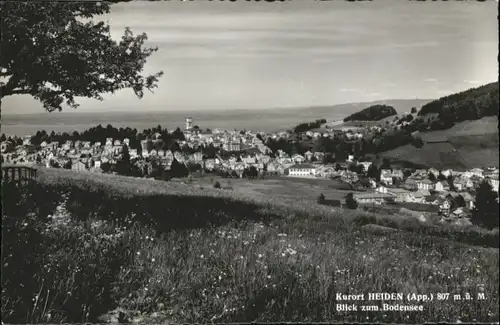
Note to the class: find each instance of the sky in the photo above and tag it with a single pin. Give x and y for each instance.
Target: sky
(259, 55)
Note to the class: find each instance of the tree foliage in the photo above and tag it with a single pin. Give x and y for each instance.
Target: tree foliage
(471, 104)
(178, 169)
(304, 127)
(351, 202)
(485, 211)
(372, 113)
(54, 51)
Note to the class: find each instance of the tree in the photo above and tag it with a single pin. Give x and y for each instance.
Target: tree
(321, 199)
(431, 177)
(385, 164)
(351, 202)
(441, 177)
(178, 169)
(54, 164)
(485, 211)
(3, 138)
(417, 142)
(54, 51)
(67, 164)
(178, 134)
(123, 166)
(353, 167)
(217, 185)
(252, 172)
(413, 110)
(106, 167)
(373, 172)
(449, 179)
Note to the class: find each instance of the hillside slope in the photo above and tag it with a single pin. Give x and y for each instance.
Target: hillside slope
(467, 144)
(333, 111)
(111, 248)
(471, 104)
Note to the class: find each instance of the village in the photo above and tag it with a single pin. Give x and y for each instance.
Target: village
(447, 192)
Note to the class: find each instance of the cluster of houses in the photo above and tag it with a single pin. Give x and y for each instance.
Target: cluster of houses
(453, 196)
(249, 150)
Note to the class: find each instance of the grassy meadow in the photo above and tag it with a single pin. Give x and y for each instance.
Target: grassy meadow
(79, 247)
(470, 144)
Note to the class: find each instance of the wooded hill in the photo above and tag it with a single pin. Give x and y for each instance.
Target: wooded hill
(372, 113)
(471, 104)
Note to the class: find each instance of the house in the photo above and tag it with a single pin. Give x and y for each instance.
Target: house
(381, 189)
(153, 152)
(308, 155)
(462, 183)
(410, 184)
(400, 195)
(469, 200)
(386, 176)
(273, 168)
(7, 146)
(425, 184)
(302, 170)
(319, 155)
(133, 153)
(349, 177)
(179, 156)
(447, 172)
(434, 171)
(67, 145)
(198, 156)
(445, 205)
(78, 166)
(416, 197)
(459, 186)
(109, 142)
(476, 180)
(493, 180)
(298, 159)
(326, 172)
(421, 172)
(26, 140)
(365, 164)
(372, 198)
(431, 199)
(477, 171)
(441, 186)
(397, 174)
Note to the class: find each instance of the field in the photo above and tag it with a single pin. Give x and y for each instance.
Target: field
(110, 248)
(281, 187)
(470, 144)
(439, 155)
(484, 126)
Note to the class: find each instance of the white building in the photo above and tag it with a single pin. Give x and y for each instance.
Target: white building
(302, 170)
(386, 176)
